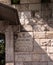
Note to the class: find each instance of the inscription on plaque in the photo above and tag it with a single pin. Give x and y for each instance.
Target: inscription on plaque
(24, 42)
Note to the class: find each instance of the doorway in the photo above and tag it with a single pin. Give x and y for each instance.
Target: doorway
(2, 49)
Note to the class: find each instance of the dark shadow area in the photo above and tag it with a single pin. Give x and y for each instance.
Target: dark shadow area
(2, 49)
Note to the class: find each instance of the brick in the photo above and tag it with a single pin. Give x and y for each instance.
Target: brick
(39, 35)
(26, 28)
(23, 58)
(35, 7)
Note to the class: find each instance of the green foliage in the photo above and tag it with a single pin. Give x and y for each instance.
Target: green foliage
(15, 1)
(2, 53)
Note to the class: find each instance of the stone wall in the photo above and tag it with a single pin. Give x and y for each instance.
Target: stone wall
(33, 42)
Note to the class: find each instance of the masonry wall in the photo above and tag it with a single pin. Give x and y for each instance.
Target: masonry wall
(33, 41)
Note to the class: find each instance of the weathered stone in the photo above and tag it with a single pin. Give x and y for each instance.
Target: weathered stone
(34, 6)
(51, 56)
(18, 63)
(38, 49)
(46, 42)
(34, 1)
(27, 63)
(26, 28)
(23, 1)
(36, 42)
(39, 35)
(22, 7)
(50, 49)
(10, 63)
(24, 42)
(45, 57)
(49, 35)
(43, 63)
(38, 28)
(23, 58)
(36, 57)
(39, 63)
(9, 44)
(5, 1)
(50, 63)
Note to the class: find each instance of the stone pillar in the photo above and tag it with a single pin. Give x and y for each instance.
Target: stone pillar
(9, 46)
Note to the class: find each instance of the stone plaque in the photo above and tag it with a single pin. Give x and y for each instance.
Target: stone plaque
(24, 42)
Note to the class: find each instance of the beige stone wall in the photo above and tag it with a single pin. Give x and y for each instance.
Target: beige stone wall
(33, 42)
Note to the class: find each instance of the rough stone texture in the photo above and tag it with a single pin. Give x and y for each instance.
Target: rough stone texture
(33, 41)
(9, 63)
(5, 2)
(18, 63)
(9, 45)
(23, 58)
(24, 42)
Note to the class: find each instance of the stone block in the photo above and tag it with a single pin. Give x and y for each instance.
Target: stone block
(39, 35)
(38, 49)
(23, 1)
(36, 57)
(50, 63)
(35, 7)
(38, 28)
(9, 57)
(39, 63)
(50, 49)
(23, 58)
(5, 1)
(27, 63)
(26, 28)
(45, 57)
(10, 63)
(24, 42)
(36, 42)
(51, 56)
(49, 35)
(22, 7)
(18, 63)
(34, 1)
(43, 63)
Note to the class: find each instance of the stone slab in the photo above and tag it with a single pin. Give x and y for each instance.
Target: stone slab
(23, 58)
(24, 42)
